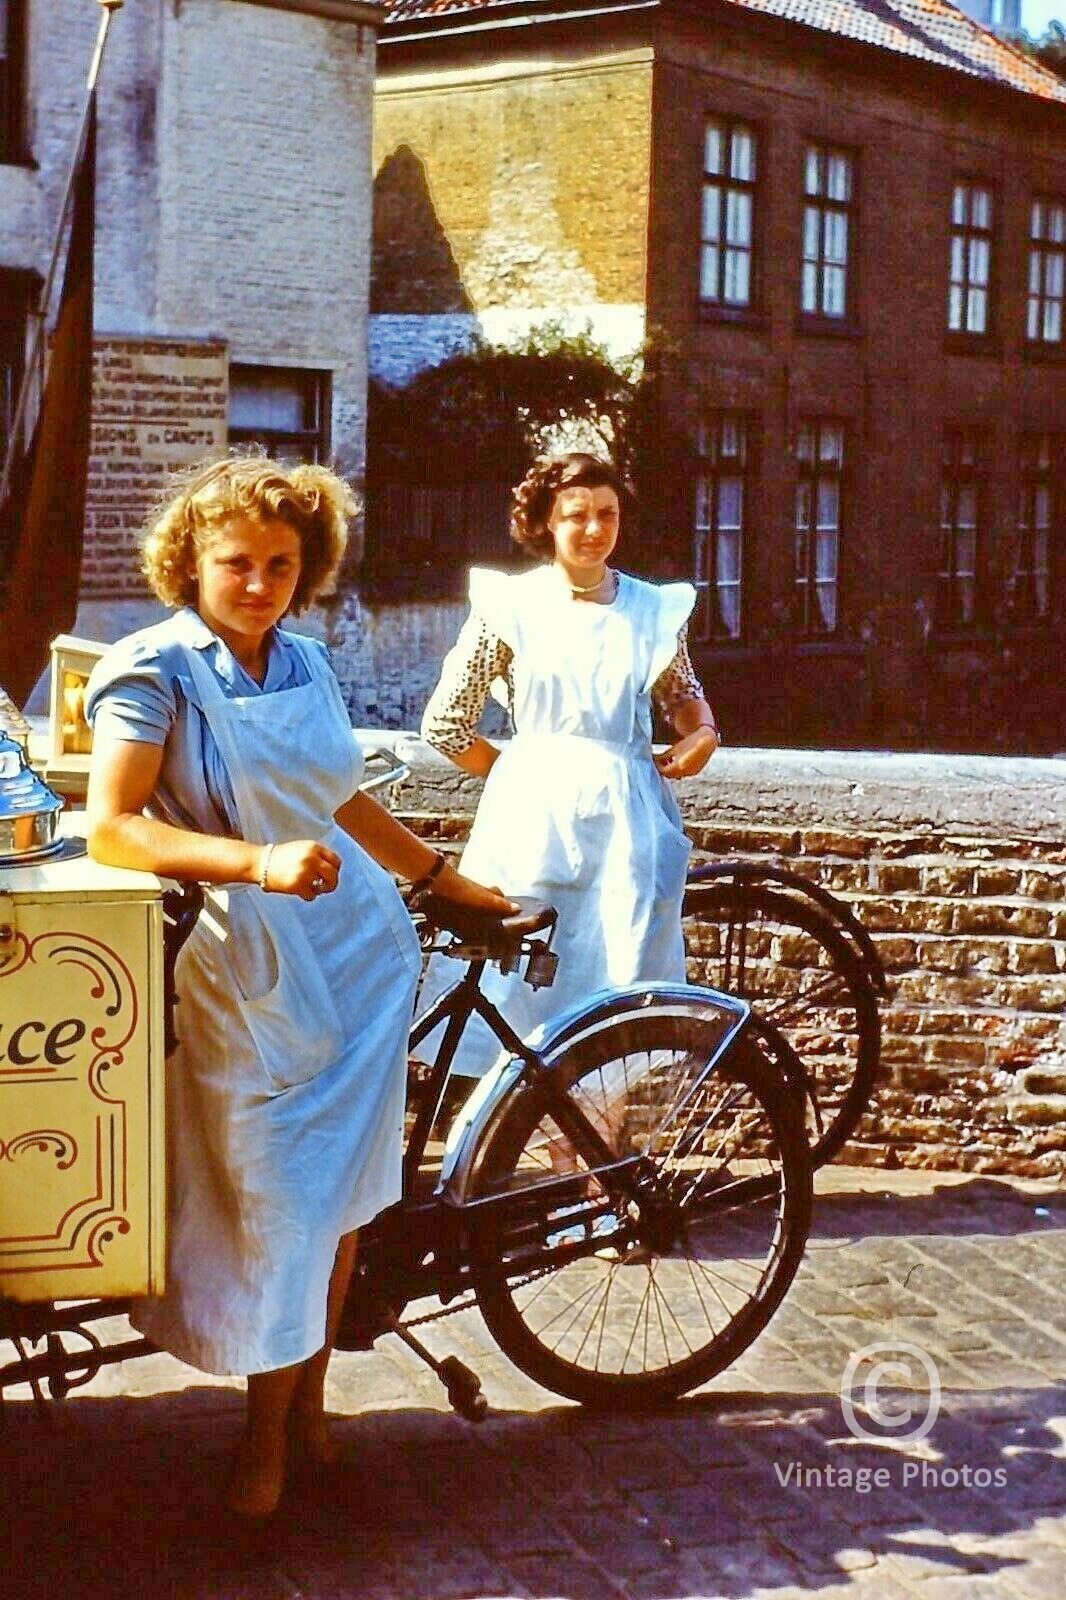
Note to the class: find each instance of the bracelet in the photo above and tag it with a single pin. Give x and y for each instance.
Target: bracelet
(264, 867)
(439, 864)
(712, 727)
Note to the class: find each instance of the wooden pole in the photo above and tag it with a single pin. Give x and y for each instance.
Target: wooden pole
(36, 350)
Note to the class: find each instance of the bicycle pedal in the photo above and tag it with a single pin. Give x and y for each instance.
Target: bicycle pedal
(635, 1255)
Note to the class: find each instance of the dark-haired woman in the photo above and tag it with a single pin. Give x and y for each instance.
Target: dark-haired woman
(575, 809)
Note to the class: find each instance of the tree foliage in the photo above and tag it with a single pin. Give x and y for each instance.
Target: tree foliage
(486, 410)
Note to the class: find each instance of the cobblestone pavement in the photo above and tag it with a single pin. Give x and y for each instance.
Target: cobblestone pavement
(752, 1487)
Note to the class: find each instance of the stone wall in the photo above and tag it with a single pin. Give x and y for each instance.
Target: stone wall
(957, 866)
(233, 207)
(387, 656)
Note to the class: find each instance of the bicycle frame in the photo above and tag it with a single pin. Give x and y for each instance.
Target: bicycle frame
(431, 1246)
(434, 1246)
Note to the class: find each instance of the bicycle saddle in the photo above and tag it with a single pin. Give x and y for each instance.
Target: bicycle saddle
(486, 927)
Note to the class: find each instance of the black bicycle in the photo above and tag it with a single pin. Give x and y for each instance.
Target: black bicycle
(626, 1196)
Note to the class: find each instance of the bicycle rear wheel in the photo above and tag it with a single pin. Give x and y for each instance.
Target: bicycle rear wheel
(801, 974)
(612, 1302)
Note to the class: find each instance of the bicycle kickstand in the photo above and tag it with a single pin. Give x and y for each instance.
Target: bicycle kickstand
(463, 1386)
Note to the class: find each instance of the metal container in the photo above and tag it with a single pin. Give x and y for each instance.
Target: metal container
(29, 811)
(12, 722)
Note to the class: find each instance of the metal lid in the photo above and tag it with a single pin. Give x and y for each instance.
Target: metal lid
(12, 722)
(29, 811)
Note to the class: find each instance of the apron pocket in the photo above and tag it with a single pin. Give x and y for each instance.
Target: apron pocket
(294, 1024)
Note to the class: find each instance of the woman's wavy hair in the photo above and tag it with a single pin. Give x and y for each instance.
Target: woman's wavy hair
(313, 500)
(534, 497)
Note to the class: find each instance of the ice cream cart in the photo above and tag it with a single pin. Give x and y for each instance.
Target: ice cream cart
(82, 1176)
(86, 984)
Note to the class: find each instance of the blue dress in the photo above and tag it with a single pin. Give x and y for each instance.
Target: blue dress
(285, 1097)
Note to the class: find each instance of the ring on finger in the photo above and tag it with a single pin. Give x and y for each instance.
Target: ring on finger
(318, 884)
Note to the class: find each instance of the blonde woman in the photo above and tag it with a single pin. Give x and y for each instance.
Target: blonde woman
(223, 754)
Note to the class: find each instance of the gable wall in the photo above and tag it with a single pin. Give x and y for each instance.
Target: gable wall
(507, 197)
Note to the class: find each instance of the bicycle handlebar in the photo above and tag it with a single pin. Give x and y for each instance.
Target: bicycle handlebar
(393, 769)
(485, 927)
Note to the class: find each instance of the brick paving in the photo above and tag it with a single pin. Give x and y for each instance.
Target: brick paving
(750, 1488)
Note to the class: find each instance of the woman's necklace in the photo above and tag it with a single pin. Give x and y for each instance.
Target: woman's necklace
(590, 588)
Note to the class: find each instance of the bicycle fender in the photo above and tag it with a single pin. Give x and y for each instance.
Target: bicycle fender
(480, 1113)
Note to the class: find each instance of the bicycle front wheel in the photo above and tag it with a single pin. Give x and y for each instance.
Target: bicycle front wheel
(612, 1300)
(800, 973)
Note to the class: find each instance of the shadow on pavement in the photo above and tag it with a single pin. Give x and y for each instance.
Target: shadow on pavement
(722, 1495)
(987, 1206)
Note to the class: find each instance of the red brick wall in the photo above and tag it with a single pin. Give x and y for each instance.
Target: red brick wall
(969, 922)
(157, 404)
(888, 677)
(972, 934)
(892, 379)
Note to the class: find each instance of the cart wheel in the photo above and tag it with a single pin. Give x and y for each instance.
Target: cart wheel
(464, 1389)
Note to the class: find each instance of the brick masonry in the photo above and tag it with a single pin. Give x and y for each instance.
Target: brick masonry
(483, 217)
(972, 934)
(232, 222)
(576, 145)
(157, 404)
(968, 916)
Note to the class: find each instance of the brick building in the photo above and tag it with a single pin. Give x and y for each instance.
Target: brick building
(232, 232)
(845, 225)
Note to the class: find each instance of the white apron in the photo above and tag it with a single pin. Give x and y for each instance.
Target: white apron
(574, 810)
(285, 1098)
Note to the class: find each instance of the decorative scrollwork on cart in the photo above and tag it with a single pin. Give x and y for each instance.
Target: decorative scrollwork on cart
(63, 1146)
(72, 1019)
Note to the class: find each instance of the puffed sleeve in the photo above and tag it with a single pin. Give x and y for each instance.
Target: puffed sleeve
(674, 607)
(131, 693)
(678, 682)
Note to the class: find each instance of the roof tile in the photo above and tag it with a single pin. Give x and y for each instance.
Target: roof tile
(927, 30)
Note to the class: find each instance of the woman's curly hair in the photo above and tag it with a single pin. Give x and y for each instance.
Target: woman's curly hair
(313, 500)
(534, 497)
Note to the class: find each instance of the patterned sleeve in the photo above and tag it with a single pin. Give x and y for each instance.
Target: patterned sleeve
(478, 657)
(678, 682)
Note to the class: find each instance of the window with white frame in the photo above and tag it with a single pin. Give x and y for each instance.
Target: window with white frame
(969, 293)
(721, 502)
(728, 214)
(1047, 270)
(1031, 579)
(960, 529)
(285, 409)
(820, 463)
(829, 188)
